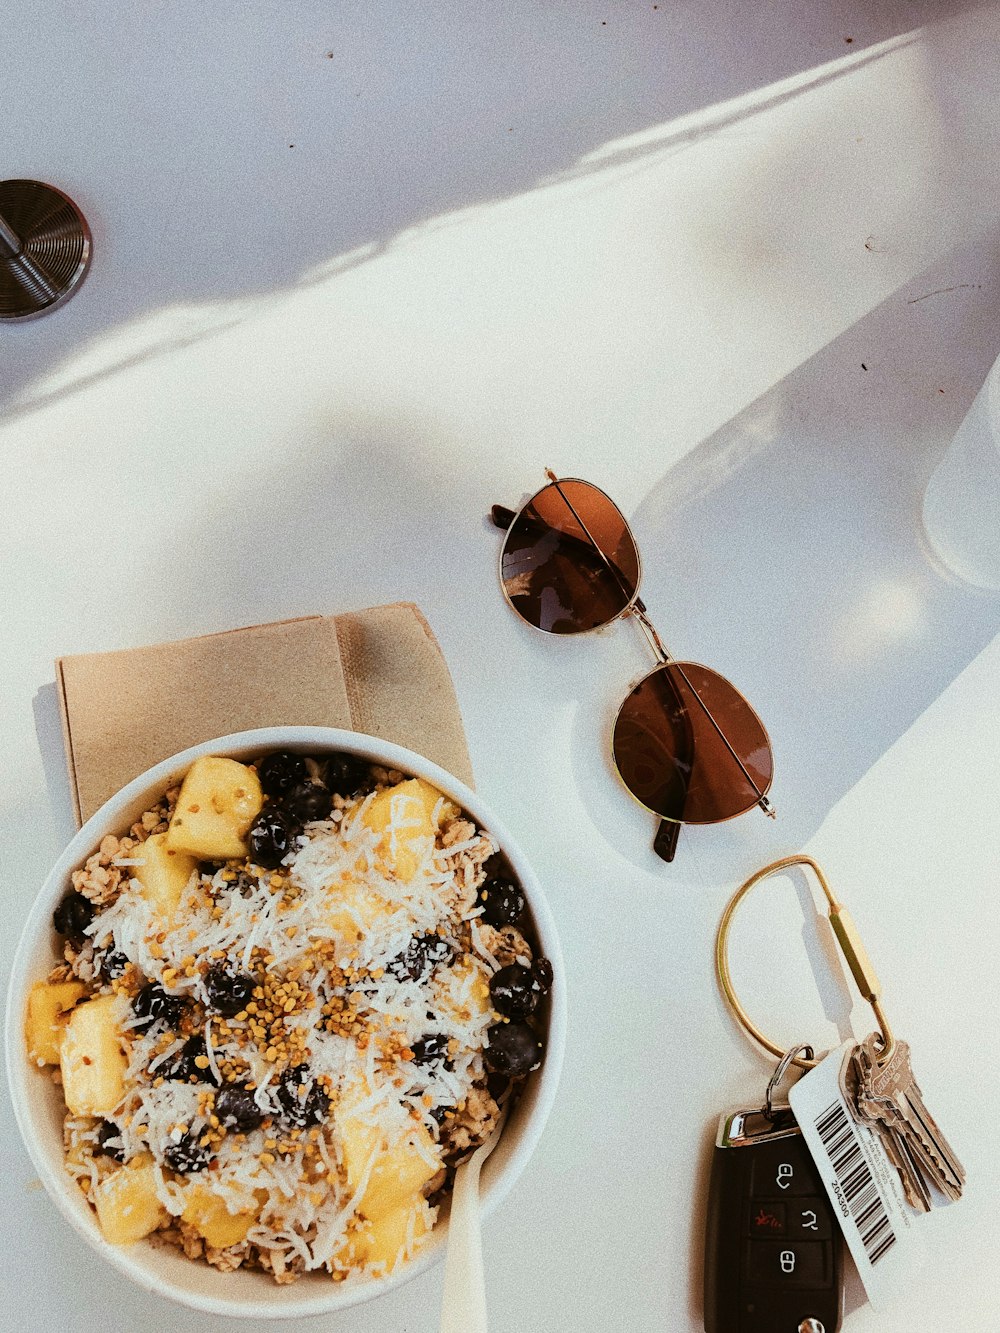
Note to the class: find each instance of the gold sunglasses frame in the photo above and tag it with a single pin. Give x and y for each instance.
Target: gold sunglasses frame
(636, 608)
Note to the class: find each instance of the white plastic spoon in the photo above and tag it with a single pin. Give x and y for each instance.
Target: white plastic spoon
(463, 1305)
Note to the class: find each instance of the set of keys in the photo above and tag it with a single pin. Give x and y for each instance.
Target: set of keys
(879, 1086)
(773, 1243)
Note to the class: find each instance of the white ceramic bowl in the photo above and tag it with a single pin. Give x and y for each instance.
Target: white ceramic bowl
(38, 1102)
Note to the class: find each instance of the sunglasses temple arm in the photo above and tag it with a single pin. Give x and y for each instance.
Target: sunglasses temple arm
(502, 517)
(665, 842)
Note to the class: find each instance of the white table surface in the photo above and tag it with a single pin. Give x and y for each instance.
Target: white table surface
(361, 270)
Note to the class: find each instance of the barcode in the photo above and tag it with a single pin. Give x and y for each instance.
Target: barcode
(856, 1183)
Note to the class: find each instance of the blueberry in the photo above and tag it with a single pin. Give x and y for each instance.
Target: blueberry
(439, 1113)
(280, 771)
(421, 956)
(109, 964)
(431, 1049)
(345, 774)
(183, 1067)
(109, 1141)
(513, 1050)
(153, 1004)
(301, 1109)
(228, 991)
(72, 916)
(542, 970)
(187, 1155)
(270, 837)
(309, 800)
(502, 902)
(237, 1110)
(514, 991)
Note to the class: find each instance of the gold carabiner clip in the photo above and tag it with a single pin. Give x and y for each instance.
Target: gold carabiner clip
(850, 946)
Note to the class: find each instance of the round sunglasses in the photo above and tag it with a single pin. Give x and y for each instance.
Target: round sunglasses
(685, 743)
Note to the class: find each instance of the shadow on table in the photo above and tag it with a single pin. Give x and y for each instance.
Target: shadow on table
(204, 190)
(787, 551)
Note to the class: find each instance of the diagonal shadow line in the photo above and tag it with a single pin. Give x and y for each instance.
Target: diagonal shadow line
(640, 147)
(353, 259)
(637, 155)
(253, 307)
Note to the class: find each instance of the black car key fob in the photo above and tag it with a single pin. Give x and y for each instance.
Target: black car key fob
(773, 1247)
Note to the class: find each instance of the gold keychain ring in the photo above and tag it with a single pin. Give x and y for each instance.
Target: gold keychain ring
(850, 946)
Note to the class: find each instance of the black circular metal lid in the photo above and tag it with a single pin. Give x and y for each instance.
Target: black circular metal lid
(45, 248)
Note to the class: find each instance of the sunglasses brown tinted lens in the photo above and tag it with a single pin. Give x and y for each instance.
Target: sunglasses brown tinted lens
(569, 562)
(673, 759)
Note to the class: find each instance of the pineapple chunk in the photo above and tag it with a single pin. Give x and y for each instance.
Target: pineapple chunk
(404, 815)
(210, 1217)
(48, 1005)
(218, 802)
(164, 874)
(92, 1060)
(399, 1170)
(384, 1241)
(127, 1203)
(367, 904)
(428, 795)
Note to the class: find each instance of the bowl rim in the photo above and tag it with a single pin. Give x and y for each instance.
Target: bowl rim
(58, 1183)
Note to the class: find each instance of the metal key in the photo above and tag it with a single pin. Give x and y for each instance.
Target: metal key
(897, 1149)
(916, 1192)
(890, 1092)
(888, 1095)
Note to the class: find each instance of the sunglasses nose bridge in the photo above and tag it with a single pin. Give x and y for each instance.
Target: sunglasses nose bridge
(638, 609)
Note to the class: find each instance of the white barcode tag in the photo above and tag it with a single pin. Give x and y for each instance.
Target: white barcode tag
(862, 1183)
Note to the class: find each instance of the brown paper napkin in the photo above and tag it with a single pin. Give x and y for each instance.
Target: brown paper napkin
(378, 671)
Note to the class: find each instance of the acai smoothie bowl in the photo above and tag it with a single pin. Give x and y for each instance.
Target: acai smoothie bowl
(274, 992)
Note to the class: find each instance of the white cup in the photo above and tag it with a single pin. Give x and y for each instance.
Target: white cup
(962, 500)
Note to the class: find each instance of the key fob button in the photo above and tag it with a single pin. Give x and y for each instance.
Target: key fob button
(809, 1219)
(768, 1218)
(779, 1171)
(789, 1263)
